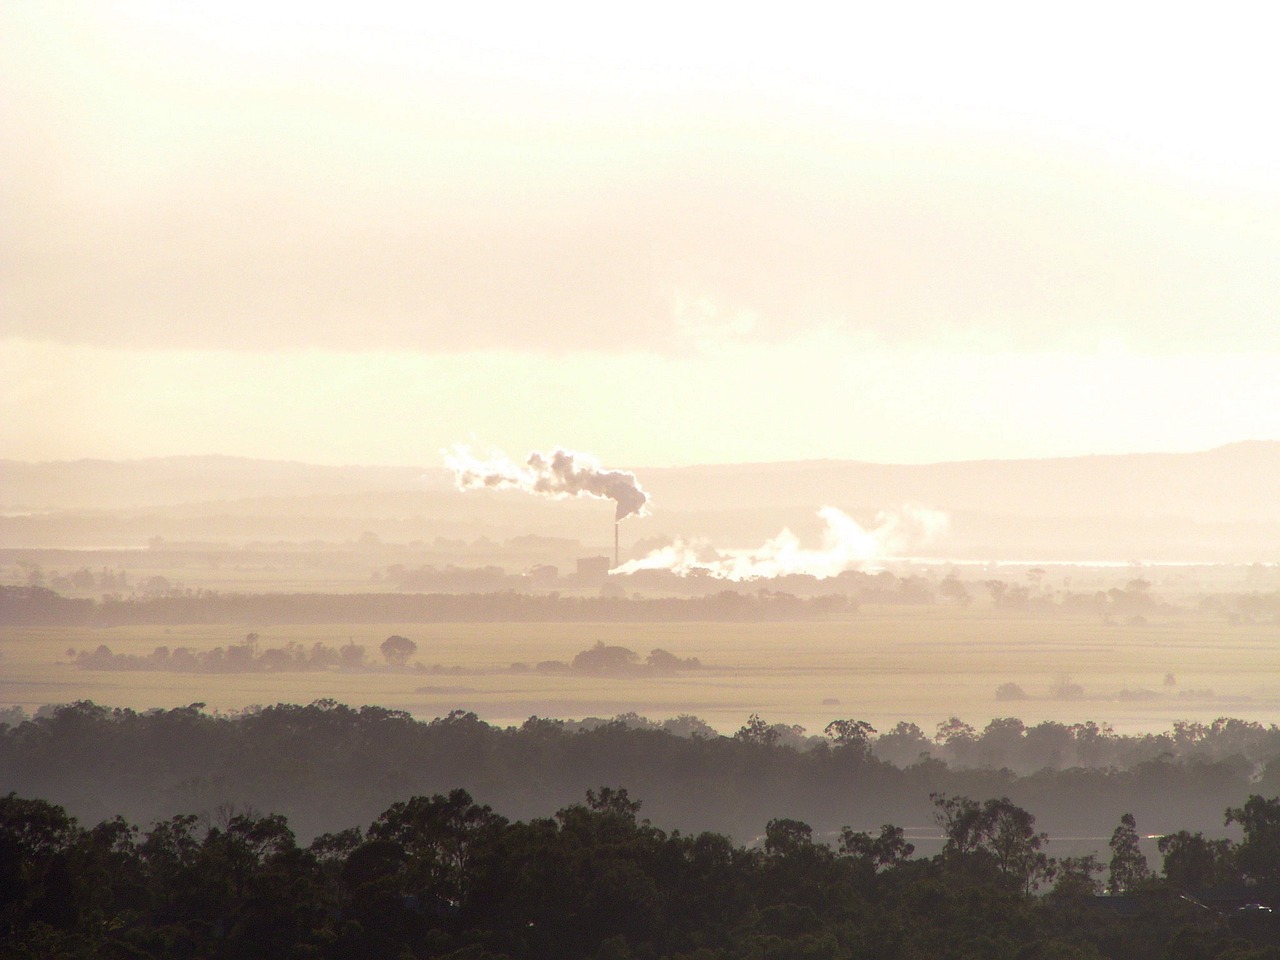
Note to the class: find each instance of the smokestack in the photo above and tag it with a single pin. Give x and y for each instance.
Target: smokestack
(615, 543)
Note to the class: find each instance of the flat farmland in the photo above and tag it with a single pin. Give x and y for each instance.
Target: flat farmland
(884, 666)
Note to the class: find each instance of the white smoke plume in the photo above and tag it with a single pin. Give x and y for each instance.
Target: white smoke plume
(846, 545)
(559, 474)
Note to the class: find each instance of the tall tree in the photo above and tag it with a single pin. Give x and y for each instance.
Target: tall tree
(1193, 862)
(1128, 863)
(1259, 854)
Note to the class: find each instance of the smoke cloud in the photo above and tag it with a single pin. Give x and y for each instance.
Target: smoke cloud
(846, 545)
(560, 474)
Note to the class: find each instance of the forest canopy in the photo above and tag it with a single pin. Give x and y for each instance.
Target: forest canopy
(443, 876)
(326, 765)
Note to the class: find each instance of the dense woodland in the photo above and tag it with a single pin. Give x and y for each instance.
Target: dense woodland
(326, 766)
(441, 876)
(326, 831)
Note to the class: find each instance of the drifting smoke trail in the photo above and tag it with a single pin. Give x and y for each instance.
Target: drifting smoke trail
(557, 475)
(846, 545)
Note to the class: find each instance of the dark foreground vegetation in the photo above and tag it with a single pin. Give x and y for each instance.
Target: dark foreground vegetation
(442, 876)
(326, 766)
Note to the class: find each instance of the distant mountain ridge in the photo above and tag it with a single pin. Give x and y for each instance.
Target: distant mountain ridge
(166, 481)
(1236, 483)
(1233, 483)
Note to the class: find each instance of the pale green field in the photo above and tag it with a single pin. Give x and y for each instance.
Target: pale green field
(883, 667)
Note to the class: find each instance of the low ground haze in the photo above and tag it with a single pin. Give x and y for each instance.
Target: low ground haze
(1140, 588)
(1214, 506)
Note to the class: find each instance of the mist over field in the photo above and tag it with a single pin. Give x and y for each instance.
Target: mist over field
(1217, 506)
(1011, 606)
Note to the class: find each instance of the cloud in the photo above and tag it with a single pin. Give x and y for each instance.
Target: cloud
(846, 545)
(162, 189)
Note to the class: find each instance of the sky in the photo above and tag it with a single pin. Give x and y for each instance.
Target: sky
(667, 234)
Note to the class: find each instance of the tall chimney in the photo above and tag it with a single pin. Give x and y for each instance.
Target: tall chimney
(615, 544)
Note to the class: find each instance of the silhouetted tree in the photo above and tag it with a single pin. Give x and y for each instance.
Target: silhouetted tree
(889, 849)
(615, 801)
(850, 733)
(1128, 864)
(1259, 853)
(602, 659)
(397, 649)
(1192, 862)
(998, 832)
(758, 731)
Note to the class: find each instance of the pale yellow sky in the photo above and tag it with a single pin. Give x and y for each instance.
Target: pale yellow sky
(361, 232)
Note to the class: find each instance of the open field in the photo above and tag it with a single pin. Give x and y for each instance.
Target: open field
(883, 666)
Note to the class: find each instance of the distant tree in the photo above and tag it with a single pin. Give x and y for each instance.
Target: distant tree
(438, 835)
(1001, 742)
(1016, 844)
(783, 837)
(1008, 596)
(32, 828)
(902, 745)
(1192, 862)
(959, 740)
(157, 586)
(687, 725)
(889, 849)
(961, 821)
(603, 659)
(1128, 864)
(997, 832)
(330, 848)
(236, 851)
(542, 728)
(1076, 878)
(611, 800)
(1259, 854)
(758, 731)
(955, 591)
(351, 656)
(954, 731)
(663, 661)
(398, 649)
(1010, 691)
(850, 733)
(1064, 688)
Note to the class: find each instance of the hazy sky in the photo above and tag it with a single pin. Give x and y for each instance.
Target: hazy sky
(360, 232)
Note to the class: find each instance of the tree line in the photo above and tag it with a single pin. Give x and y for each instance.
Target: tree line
(326, 764)
(786, 598)
(39, 606)
(442, 876)
(294, 657)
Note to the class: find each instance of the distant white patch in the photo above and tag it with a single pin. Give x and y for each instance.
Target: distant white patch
(846, 545)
